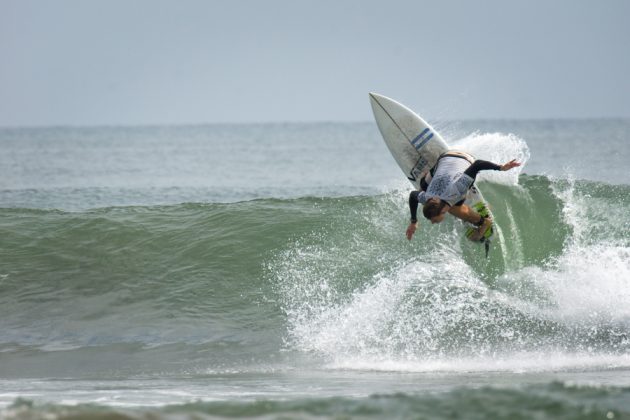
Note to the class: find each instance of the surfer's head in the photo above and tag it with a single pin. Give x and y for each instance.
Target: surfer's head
(434, 210)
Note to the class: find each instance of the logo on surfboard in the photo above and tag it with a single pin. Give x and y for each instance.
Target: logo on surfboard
(418, 170)
(422, 139)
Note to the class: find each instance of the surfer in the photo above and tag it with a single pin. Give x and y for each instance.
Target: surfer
(444, 190)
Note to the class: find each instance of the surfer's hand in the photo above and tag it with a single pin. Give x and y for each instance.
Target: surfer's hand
(511, 164)
(411, 229)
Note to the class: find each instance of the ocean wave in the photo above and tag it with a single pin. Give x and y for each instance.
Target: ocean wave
(328, 276)
(550, 285)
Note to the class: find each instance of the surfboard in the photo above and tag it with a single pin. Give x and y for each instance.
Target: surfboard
(416, 147)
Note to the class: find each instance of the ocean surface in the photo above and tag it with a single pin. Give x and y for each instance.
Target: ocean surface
(262, 271)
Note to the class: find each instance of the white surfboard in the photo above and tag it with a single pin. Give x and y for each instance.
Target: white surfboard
(416, 146)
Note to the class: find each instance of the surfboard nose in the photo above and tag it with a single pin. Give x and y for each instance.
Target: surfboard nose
(384, 105)
(379, 103)
(374, 97)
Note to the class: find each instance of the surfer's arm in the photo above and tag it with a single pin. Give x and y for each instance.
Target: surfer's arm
(481, 165)
(416, 197)
(457, 191)
(484, 165)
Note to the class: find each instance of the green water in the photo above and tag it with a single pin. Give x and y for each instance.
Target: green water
(147, 291)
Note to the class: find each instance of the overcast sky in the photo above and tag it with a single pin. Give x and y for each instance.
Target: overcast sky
(83, 62)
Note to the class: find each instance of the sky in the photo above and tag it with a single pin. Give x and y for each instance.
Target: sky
(136, 62)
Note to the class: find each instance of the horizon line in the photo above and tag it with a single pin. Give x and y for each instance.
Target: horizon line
(295, 122)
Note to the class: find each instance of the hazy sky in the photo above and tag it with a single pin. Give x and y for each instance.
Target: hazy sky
(85, 62)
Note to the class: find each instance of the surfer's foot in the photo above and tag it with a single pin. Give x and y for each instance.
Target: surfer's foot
(481, 231)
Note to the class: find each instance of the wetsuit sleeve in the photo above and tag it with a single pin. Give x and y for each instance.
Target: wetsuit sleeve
(481, 165)
(416, 197)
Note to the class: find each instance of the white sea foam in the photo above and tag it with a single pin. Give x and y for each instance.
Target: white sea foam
(498, 148)
(518, 362)
(433, 312)
(590, 282)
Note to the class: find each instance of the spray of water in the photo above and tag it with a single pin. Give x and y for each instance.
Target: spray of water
(365, 299)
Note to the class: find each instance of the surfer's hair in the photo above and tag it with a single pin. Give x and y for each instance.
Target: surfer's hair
(432, 207)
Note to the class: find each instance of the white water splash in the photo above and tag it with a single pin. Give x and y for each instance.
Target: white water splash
(498, 148)
(434, 313)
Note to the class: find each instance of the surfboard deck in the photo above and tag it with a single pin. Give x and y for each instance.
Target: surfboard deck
(416, 147)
